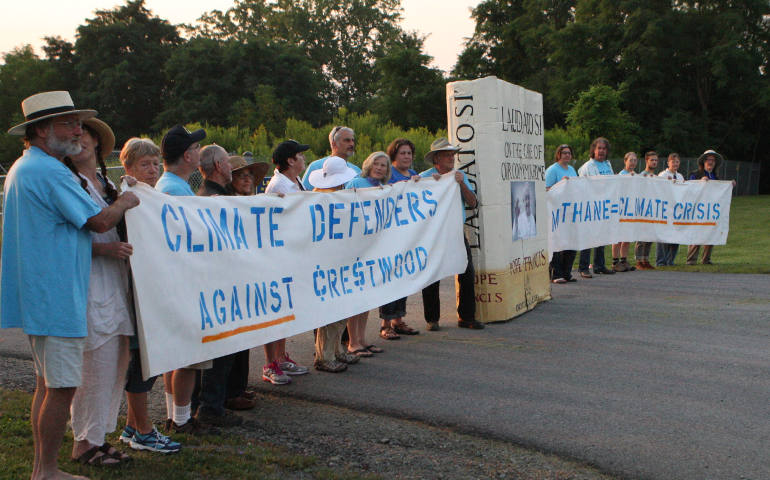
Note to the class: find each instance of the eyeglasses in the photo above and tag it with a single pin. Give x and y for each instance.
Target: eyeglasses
(71, 124)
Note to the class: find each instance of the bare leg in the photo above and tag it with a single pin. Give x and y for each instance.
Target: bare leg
(281, 349)
(137, 415)
(357, 331)
(183, 386)
(624, 249)
(168, 382)
(616, 250)
(51, 425)
(37, 402)
(271, 351)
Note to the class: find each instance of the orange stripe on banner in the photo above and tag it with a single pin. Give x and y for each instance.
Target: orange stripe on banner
(642, 220)
(712, 224)
(247, 328)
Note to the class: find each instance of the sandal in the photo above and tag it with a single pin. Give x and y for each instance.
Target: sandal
(361, 352)
(389, 334)
(95, 457)
(404, 329)
(374, 349)
(114, 452)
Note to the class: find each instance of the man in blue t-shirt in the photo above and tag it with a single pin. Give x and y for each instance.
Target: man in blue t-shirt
(442, 156)
(343, 144)
(46, 258)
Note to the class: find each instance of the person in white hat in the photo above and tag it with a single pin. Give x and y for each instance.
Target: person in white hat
(46, 258)
(442, 156)
(332, 176)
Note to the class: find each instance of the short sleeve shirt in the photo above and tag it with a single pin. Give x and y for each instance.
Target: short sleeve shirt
(173, 184)
(555, 173)
(396, 176)
(46, 253)
(361, 182)
(430, 172)
(315, 166)
(593, 168)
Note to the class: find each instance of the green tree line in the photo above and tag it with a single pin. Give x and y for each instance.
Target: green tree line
(668, 75)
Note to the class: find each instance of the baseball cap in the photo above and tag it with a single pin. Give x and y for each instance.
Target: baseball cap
(179, 139)
(288, 149)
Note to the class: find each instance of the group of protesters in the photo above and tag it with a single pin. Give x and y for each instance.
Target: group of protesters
(66, 281)
(599, 164)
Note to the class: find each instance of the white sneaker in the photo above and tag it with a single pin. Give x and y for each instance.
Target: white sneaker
(290, 367)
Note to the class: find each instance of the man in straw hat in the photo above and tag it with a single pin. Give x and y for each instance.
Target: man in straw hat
(46, 258)
(442, 156)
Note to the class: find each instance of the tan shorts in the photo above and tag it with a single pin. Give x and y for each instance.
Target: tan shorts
(59, 360)
(205, 365)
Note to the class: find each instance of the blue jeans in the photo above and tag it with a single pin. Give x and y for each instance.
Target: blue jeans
(666, 253)
(211, 386)
(585, 259)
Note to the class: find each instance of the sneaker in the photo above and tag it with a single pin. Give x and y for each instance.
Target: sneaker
(154, 442)
(472, 324)
(604, 271)
(290, 367)
(332, 366)
(433, 327)
(348, 358)
(272, 373)
(208, 418)
(190, 427)
(127, 434)
(586, 274)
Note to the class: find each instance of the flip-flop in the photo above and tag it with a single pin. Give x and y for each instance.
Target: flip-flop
(389, 334)
(374, 349)
(361, 352)
(113, 452)
(404, 329)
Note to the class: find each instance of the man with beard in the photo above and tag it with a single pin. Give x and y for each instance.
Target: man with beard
(46, 259)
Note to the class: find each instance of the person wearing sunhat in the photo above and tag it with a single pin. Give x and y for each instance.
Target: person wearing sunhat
(96, 403)
(708, 163)
(246, 176)
(46, 258)
(289, 160)
(442, 157)
(181, 151)
(329, 357)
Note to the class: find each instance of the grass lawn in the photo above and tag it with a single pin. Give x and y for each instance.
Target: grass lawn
(747, 242)
(220, 457)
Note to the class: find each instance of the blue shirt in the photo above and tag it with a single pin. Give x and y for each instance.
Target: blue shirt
(173, 184)
(430, 172)
(315, 166)
(555, 173)
(624, 172)
(46, 256)
(396, 176)
(361, 182)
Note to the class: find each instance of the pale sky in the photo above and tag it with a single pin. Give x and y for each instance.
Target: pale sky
(447, 22)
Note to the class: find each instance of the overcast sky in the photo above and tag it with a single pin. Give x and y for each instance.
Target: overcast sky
(447, 22)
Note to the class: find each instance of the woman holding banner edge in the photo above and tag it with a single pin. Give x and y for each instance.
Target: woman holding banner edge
(561, 264)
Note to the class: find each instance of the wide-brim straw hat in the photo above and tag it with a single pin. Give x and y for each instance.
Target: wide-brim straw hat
(45, 105)
(335, 172)
(440, 145)
(105, 134)
(257, 169)
(705, 154)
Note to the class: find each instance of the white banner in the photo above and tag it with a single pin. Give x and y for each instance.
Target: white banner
(217, 275)
(499, 127)
(588, 212)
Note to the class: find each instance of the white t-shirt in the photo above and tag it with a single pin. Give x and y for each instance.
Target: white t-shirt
(280, 183)
(676, 177)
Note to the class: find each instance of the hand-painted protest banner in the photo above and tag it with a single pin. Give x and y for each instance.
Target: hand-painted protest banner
(217, 275)
(588, 212)
(500, 129)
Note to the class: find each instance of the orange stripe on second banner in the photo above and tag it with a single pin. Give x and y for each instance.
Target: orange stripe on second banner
(246, 328)
(712, 224)
(642, 220)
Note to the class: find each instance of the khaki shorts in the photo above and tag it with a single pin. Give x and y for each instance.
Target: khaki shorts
(205, 365)
(59, 360)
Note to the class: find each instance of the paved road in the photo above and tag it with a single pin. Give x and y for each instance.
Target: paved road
(640, 374)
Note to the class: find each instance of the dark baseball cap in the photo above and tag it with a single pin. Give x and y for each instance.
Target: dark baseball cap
(287, 149)
(179, 139)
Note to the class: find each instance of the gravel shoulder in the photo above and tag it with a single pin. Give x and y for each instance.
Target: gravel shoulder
(365, 443)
